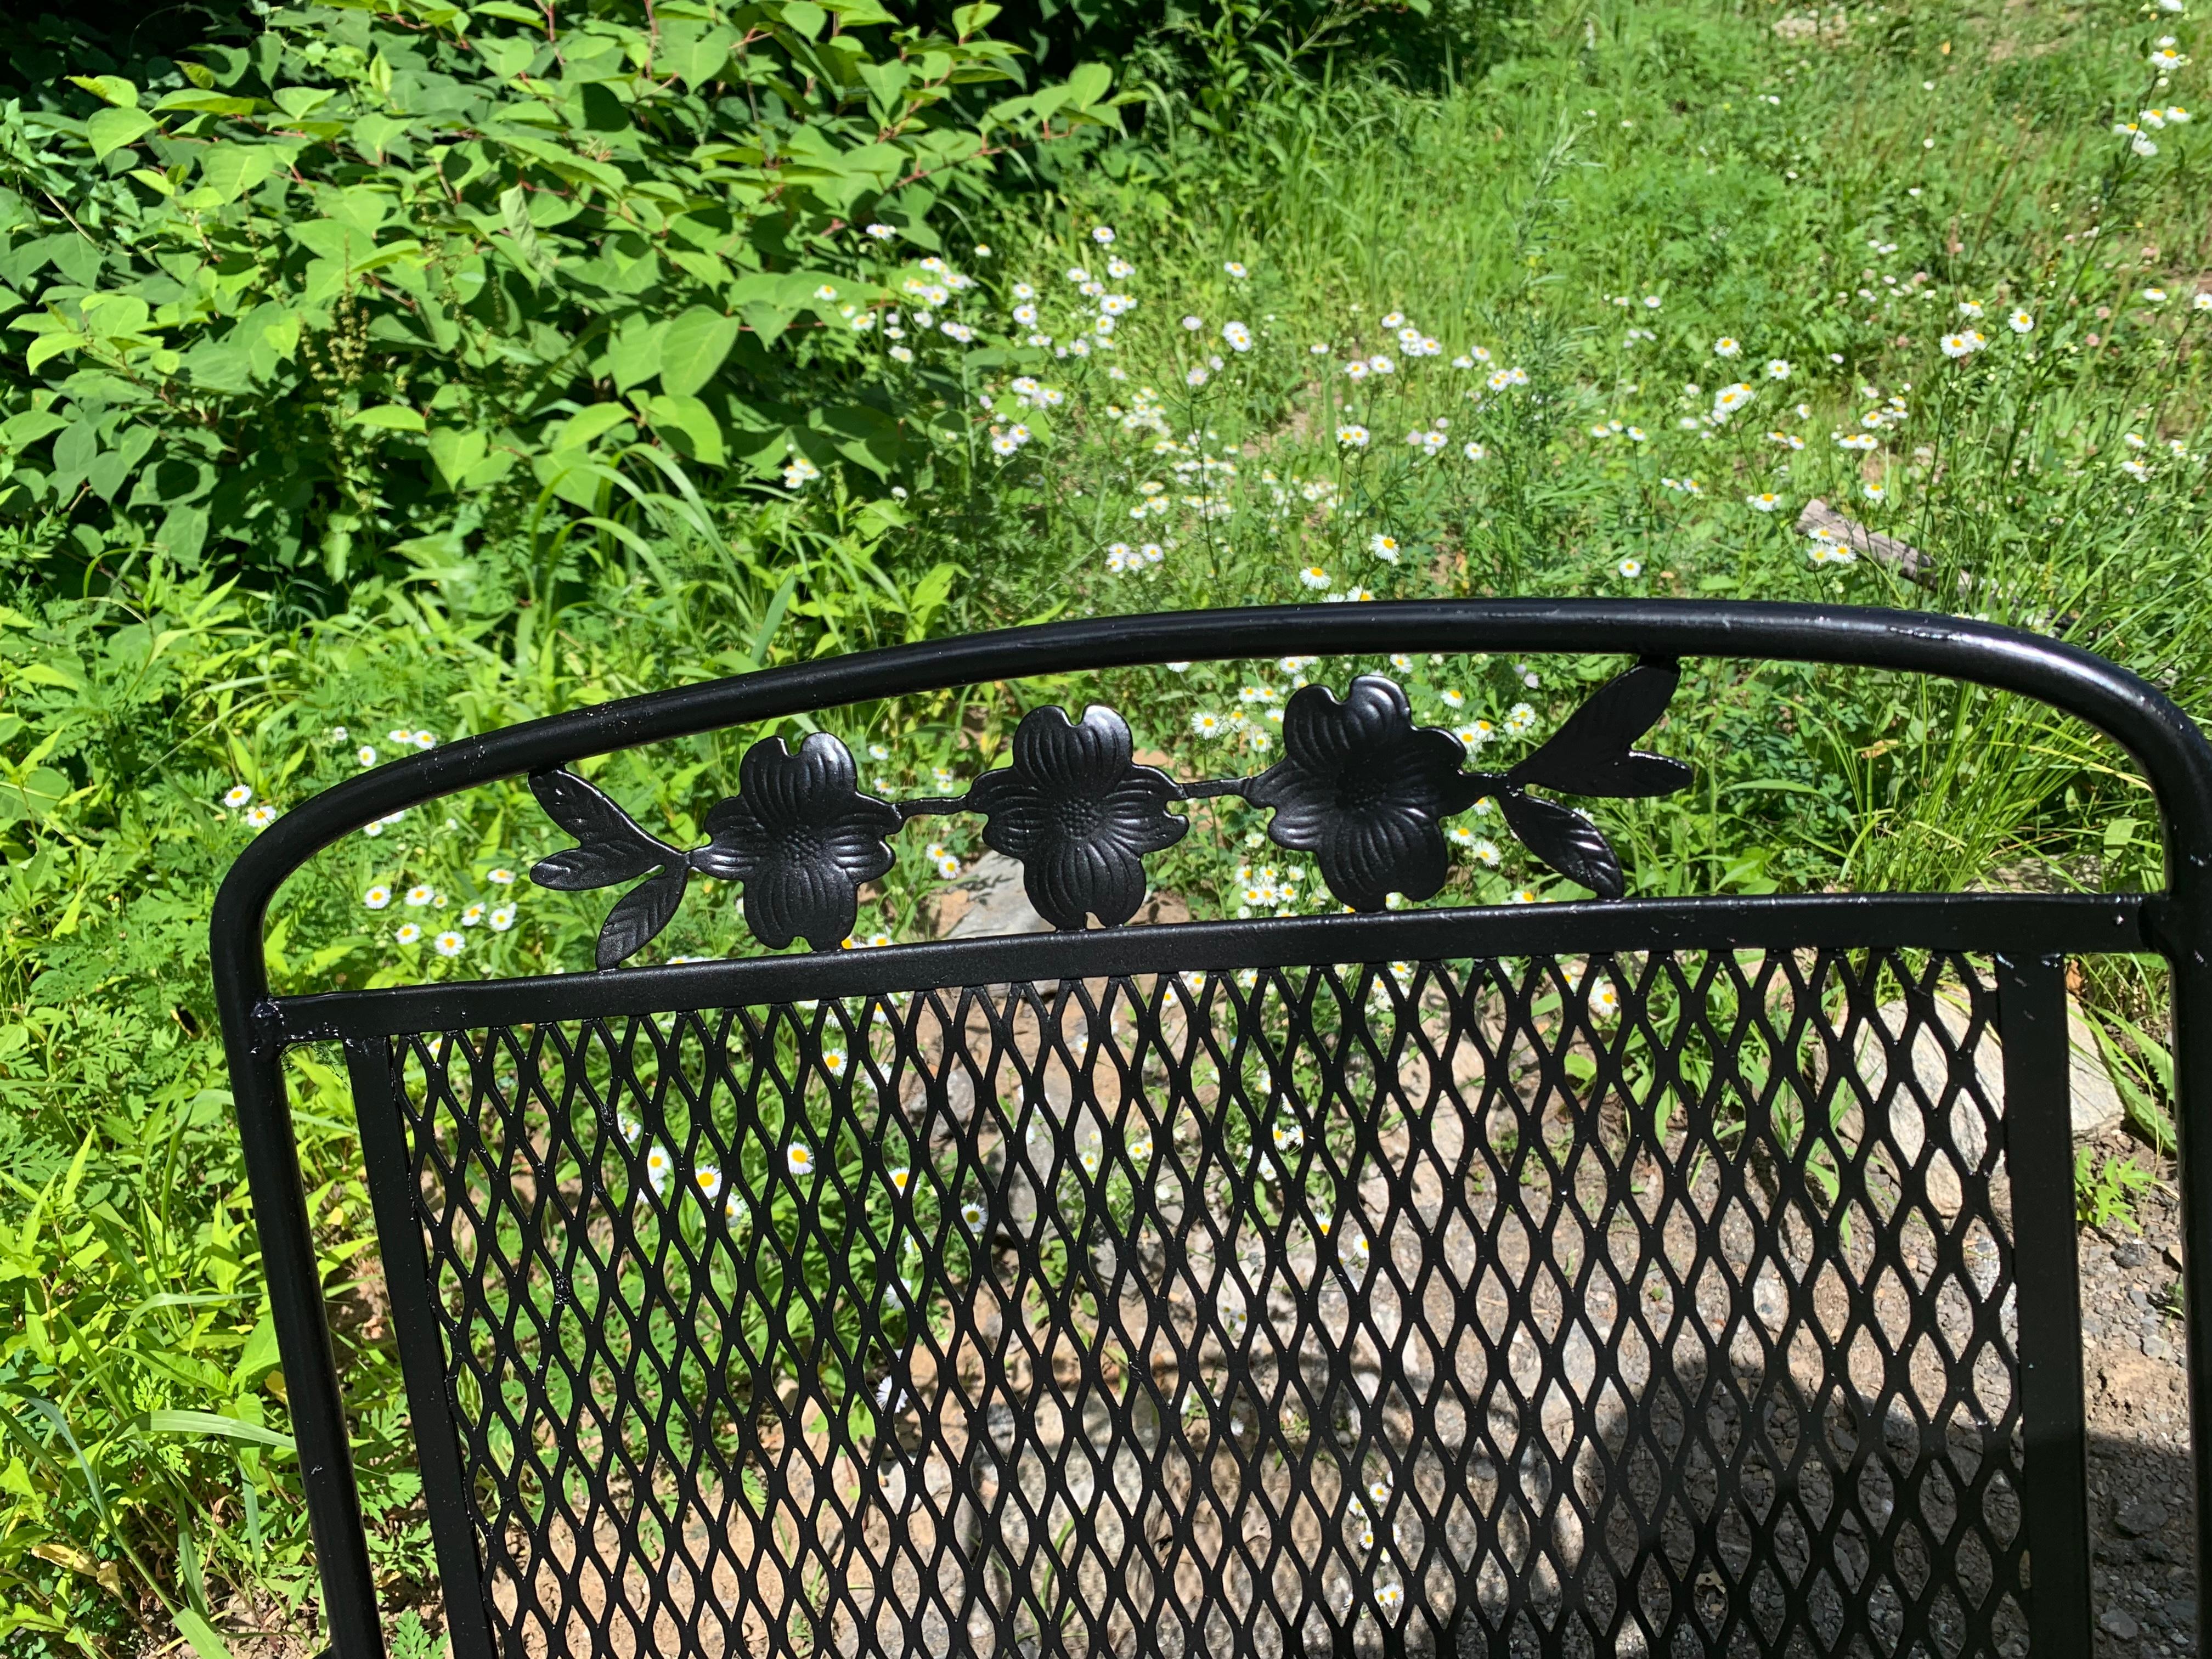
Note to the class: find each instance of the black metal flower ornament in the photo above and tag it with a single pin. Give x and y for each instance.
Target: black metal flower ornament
(802, 838)
(1078, 814)
(799, 835)
(1365, 791)
(1359, 786)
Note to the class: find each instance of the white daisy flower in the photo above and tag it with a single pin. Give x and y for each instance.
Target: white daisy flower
(501, 919)
(799, 1160)
(407, 933)
(377, 896)
(237, 795)
(450, 943)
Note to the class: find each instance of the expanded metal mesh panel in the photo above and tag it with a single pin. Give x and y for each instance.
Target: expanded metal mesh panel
(1657, 1304)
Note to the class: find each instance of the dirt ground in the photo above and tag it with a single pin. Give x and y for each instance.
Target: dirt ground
(2141, 1493)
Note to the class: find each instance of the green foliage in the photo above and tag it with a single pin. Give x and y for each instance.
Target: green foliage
(381, 279)
(2108, 1190)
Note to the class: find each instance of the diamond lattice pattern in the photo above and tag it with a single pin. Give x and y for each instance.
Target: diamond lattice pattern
(1652, 1304)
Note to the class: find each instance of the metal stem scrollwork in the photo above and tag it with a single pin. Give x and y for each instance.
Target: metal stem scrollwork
(1360, 786)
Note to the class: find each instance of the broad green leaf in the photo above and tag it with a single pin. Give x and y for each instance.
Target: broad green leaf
(1089, 82)
(455, 453)
(231, 170)
(587, 426)
(693, 349)
(634, 356)
(184, 533)
(29, 427)
(112, 129)
(390, 417)
(209, 103)
(804, 17)
(299, 102)
(768, 321)
(506, 56)
(372, 135)
(37, 791)
(699, 61)
(970, 19)
(109, 90)
(48, 346)
(702, 433)
(113, 314)
(78, 447)
(340, 243)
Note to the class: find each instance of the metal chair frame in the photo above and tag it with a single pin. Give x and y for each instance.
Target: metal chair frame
(2026, 937)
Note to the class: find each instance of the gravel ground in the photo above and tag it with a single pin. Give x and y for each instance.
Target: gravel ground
(2141, 1493)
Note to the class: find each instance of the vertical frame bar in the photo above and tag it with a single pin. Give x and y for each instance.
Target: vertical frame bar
(375, 1073)
(296, 1307)
(2038, 1138)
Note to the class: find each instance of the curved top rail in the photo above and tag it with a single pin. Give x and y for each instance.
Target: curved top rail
(2162, 740)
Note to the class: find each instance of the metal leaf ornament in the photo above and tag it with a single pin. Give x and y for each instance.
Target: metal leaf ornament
(1078, 814)
(1590, 754)
(802, 838)
(1365, 791)
(610, 847)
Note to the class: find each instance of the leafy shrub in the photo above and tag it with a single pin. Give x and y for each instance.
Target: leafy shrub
(378, 278)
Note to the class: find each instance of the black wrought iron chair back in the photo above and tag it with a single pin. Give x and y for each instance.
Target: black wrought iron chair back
(1623, 1276)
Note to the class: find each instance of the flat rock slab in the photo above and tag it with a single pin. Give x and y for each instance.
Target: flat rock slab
(2094, 1102)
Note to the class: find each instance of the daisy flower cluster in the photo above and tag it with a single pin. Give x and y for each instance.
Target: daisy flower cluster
(496, 915)
(255, 815)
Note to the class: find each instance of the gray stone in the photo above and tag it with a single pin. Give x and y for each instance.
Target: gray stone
(2095, 1103)
(1888, 1067)
(2134, 1517)
(2120, 1625)
(997, 902)
(2157, 1348)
